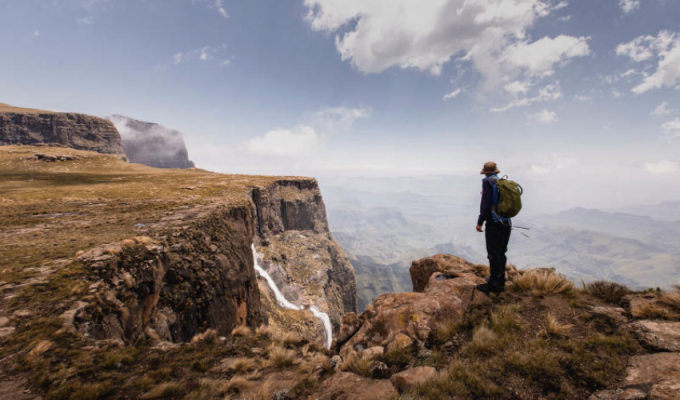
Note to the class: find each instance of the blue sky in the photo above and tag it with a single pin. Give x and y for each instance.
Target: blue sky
(552, 90)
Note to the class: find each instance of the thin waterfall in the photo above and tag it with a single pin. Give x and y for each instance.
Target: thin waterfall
(284, 303)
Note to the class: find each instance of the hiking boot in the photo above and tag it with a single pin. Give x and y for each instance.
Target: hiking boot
(487, 288)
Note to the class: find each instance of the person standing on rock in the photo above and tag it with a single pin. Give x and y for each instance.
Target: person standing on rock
(497, 230)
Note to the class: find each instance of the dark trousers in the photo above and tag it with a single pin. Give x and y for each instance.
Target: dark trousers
(497, 238)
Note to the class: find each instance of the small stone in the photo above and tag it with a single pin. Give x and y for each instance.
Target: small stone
(335, 362)
(282, 395)
(372, 352)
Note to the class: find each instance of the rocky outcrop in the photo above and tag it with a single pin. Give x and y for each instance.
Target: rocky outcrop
(201, 277)
(20, 126)
(658, 335)
(652, 376)
(401, 320)
(152, 144)
(299, 251)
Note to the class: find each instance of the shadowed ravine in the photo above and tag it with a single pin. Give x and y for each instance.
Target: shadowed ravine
(284, 303)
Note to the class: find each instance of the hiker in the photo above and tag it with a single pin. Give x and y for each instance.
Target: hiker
(497, 230)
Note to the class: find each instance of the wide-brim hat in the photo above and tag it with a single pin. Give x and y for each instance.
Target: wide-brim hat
(490, 168)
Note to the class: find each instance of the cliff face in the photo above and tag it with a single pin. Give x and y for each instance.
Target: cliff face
(299, 251)
(22, 126)
(165, 254)
(152, 144)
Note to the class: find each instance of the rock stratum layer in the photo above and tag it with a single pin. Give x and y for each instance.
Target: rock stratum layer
(152, 144)
(162, 254)
(22, 126)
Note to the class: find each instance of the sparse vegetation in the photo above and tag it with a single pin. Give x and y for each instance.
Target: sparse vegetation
(671, 299)
(164, 390)
(243, 365)
(610, 292)
(280, 357)
(542, 282)
(241, 330)
(358, 365)
(554, 328)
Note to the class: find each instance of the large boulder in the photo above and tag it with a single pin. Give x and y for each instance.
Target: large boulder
(399, 320)
(348, 386)
(422, 270)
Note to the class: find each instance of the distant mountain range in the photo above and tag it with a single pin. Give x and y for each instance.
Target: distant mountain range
(383, 232)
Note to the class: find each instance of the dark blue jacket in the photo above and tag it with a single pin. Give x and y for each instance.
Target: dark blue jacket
(489, 201)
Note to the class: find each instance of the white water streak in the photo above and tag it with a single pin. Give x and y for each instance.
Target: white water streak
(284, 303)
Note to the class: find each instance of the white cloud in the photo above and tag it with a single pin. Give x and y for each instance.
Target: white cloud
(617, 94)
(177, 58)
(585, 99)
(671, 129)
(517, 87)
(662, 110)
(540, 57)
(36, 33)
(628, 6)
(550, 92)
(204, 54)
(306, 138)
(85, 21)
(225, 63)
(217, 5)
(543, 117)
(555, 162)
(297, 142)
(426, 35)
(453, 94)
(665, 49)
(338, 119)
(662, 167)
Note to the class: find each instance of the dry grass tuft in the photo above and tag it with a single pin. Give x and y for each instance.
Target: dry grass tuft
(164, 390)
(265, 391)
(242, 331)
(506, 319)
(677, 287)
(244, 365)
(554, 328)
(264, 331)
(484, 340)
(482, 270)
(671, 299)
(356, 364)
(444, 331)
(41, 348)
(542, 282)
(209, 389)
(281, 358)
(238, 384)
(208, 336)
(610, 292)
(651, 311)
(292, 339)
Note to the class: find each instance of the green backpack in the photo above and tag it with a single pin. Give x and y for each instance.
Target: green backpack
(510, 198)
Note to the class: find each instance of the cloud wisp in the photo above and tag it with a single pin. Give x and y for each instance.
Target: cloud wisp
(662, 50)
(306, 138)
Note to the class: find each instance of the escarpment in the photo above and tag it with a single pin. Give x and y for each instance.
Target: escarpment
(164, 255)
(21, 126)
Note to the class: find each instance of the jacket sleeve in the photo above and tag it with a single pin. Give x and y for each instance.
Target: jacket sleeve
(487, 202)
